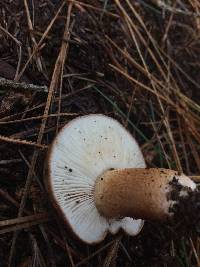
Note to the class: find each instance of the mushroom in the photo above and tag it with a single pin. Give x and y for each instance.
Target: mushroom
(98, 181)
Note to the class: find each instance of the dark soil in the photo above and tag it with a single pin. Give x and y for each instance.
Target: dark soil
(186, 210)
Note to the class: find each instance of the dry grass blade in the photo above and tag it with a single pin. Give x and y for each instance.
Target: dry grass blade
(94, 8)
(39, 118)
(112, 253)
(56, 239)
(141, 84)
(24, 225)
(63, 55)
(62, 59)
(166, 122)
(4, 195)
(30, 26)
(37, 259)
(20, 50)
(84, 261)
(9, 161)
(41, 41)
(169, 8)
(53, 85)
(195, 253)
(24, 219)
(21, 142)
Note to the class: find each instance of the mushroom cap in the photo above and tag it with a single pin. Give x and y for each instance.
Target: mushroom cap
(82, 151)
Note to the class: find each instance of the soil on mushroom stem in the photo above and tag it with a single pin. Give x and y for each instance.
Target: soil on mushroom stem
(186, 210)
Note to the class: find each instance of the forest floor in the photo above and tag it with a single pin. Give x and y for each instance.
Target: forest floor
(136, 61)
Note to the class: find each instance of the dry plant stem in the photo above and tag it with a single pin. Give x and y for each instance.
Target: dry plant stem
(137, 193)
(42, 228)
(7, 197)
(84, 261)
(20, 50)
(30, 26)
(21, 142)
(63, 55)
(9, 84)
(57, 240)
(94, 8)
(53, 85)
(166, 122)
(43, 104)
(131, 26)
(20, 220)
(162, 4)
(23, 225)
(112, 252)
(9, 161)
(39, 118)
(195, 253)
(38, 258)
(36, 48)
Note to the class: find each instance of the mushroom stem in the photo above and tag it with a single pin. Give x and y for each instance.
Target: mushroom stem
(139, 193)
